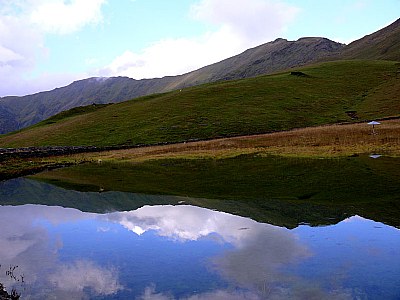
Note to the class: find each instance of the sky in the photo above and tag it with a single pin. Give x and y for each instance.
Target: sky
(46, 44)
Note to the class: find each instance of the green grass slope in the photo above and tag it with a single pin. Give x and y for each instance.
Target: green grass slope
(250, 106)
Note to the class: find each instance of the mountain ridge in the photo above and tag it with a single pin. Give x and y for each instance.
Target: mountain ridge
(268, 58)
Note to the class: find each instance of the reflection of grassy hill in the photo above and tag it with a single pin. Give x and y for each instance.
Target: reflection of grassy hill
(285, 190)
(258, 105)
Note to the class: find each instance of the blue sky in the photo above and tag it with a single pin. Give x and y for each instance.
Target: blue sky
(50, 43)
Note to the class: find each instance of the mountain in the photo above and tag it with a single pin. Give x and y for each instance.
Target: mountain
(383, 44)
(325, 93)
(276, 56)
(268, 58)
(20, 112)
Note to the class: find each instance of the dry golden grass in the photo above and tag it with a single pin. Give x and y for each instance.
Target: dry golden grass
(334, 140)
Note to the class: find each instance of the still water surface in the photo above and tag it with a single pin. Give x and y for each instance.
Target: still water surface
(186, 252)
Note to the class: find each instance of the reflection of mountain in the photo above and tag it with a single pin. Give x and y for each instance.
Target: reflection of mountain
(277, 190)
(278, 212)
(24, 191)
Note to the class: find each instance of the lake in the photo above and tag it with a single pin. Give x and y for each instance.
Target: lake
(65, 236)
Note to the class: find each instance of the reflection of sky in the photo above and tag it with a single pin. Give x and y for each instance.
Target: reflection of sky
(186, 252)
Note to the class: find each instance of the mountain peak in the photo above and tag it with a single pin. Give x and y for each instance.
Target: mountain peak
(279, 40)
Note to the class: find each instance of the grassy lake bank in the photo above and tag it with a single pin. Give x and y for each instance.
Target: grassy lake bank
(322, 141)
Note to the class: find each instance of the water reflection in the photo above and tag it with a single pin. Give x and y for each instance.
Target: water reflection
(279, 190)
(186, 252)
(26, 242)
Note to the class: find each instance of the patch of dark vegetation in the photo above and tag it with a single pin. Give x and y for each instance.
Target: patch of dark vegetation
(4, 295)
(26, 152)
(352, 114)
(299, 74)
(23, 167)
(13, 295)
(306, 196)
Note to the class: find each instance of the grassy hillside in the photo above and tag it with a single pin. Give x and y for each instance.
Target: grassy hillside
(324, 94)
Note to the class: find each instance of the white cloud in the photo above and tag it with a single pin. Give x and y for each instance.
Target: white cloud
(253, 21)
(23, 28)
(174, 56)
(58, 16)
(240, 24)
(8, 55)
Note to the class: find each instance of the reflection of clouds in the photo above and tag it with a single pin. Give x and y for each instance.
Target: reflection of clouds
(254, 264)
(225, 295)
(305, 292)
(180, 222)
(25, 243)
(191, 223)
(19, 232)
(260, 251)
(85, 274)
(299, 292)
(150, 294)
